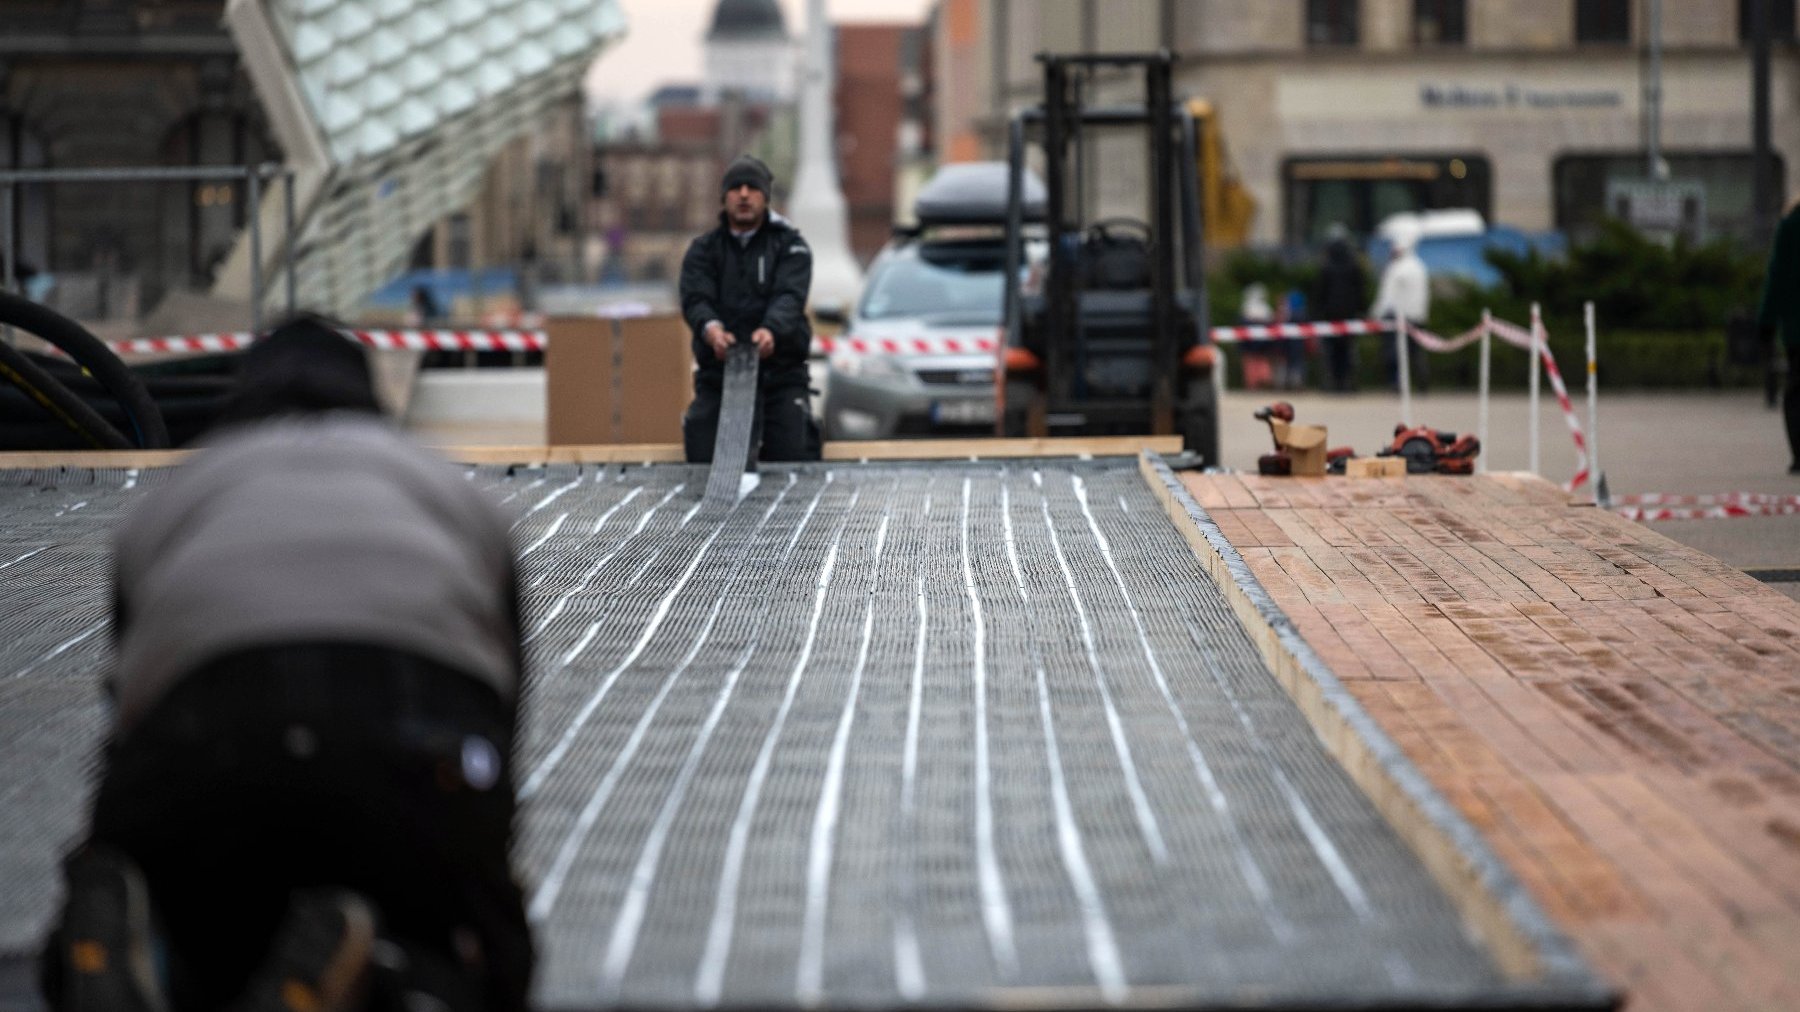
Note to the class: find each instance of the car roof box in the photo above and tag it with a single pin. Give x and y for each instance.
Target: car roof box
(974, 193)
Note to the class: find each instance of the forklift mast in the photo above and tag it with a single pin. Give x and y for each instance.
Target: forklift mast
(1174, 226)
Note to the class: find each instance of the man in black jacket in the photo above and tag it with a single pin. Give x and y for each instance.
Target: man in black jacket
(747, 281)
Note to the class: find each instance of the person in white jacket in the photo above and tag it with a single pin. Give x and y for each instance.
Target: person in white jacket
(1404, 294)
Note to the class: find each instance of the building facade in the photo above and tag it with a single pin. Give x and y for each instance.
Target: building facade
(750, 53)
(151, 83)
(869, 101)
(528, 213)
(1345, 111)
(662, 188)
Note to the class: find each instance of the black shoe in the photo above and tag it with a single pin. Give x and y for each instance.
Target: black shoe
(319, 960)
(106, 942)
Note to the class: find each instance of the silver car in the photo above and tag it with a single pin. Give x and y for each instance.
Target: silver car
(917, 355)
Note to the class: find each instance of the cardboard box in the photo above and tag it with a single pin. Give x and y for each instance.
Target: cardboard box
(1375, 467)
(617, 381)
(1305, 446)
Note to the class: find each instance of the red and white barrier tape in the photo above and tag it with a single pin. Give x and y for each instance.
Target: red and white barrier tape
(906, 346)
(1274, 331)
(1719, 512)
(1432, 342)
(189, 343)
(454, 340)
(411, 340)
(1720, 499)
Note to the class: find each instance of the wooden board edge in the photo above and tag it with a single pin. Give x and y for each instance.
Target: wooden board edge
(27, 460)
(964, 449)
(596, 453)
(664, 453)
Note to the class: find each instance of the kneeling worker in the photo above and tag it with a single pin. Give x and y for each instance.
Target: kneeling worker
(317, 691)
(746, 281)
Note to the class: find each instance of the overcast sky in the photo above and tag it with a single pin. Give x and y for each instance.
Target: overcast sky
(663, 41)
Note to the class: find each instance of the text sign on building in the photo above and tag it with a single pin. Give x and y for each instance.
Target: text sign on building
(1664, 208)
(1516, 96)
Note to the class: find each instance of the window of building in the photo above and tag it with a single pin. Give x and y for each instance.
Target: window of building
(1729, 178)
(1602, 20)
(461, 252)
(1440, 22)
(1781, 20)
(1360, 192)
(1331, 22)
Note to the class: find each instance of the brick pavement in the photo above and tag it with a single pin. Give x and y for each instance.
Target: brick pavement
(1618, 714)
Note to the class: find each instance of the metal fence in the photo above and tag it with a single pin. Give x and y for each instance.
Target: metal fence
(254, 178)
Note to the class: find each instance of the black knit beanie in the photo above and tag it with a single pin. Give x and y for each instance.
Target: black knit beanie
(747, 169)
(305, 366)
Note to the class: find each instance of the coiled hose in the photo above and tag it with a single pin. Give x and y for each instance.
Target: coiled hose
(144, 421)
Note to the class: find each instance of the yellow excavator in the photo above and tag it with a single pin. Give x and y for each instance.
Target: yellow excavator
(1227, 208)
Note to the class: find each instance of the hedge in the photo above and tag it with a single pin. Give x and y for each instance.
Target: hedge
(1628, 360)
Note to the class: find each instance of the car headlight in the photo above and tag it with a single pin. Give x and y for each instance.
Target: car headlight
(868, 366)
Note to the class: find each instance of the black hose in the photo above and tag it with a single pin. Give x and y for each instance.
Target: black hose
(56, 399)
(90, 353)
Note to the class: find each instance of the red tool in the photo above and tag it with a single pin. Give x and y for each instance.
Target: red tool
(1278, 462)
(1426, 450)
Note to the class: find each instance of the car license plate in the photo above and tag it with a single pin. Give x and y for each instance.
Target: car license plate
(962, 412)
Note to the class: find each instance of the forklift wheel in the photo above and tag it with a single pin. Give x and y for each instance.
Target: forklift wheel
(1200, 435)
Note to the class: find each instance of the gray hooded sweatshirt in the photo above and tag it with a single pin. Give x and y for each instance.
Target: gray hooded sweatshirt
(331, 528)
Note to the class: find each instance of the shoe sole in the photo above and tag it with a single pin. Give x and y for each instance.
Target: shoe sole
(296, 980)
(106, 938)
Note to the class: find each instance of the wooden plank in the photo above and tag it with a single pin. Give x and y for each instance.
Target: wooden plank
(921, 449)
(598, 453)
(986, 449)
(24, 460)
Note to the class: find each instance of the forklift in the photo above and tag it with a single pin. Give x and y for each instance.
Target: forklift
(1113, 336)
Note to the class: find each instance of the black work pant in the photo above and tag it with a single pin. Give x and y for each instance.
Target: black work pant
(1340, 358)
(288, 768)
(783, 428)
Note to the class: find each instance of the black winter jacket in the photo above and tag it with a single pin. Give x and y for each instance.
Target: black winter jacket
(763, 283)
(1342, 291)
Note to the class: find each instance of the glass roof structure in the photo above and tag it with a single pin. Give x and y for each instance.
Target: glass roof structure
(390, 111)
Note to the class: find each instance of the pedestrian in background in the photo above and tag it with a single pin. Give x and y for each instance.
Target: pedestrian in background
(747, 281)
(423, 309)
(1296, 349)
(1780, 314)
(317, 687)
(1404, 296)
(1254, 311)
(1341, 293)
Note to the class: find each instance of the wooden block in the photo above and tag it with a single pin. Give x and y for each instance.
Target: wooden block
(1375, 467)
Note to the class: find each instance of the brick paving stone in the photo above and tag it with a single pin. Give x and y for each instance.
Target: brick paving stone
(1617, 713)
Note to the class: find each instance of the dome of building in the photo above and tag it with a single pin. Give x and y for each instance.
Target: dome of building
(739, 19)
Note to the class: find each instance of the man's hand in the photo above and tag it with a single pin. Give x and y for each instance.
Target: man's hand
(764, 339)
(718, 339)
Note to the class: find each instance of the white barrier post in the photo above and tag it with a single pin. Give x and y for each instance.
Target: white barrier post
(1481, 426)
(1401, 339)
(1536, 356)
(1593, 394)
